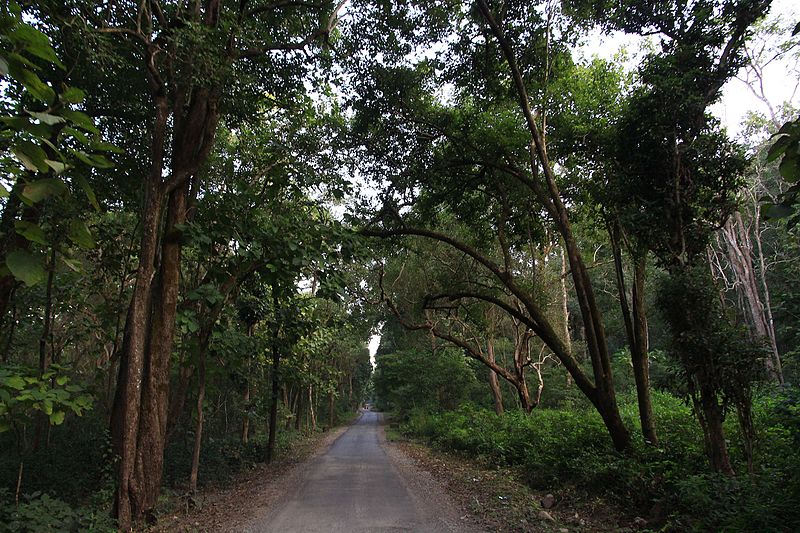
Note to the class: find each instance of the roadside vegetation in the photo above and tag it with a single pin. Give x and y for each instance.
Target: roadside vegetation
(208, 208)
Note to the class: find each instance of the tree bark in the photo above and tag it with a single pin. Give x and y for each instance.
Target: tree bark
(201, 394)
(636, 332)
(494, 383)
(276, 359)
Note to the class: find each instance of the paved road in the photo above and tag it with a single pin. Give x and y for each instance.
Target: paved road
(353, 487)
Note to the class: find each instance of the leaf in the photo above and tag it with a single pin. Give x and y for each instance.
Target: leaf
(57, 166)
(57, 418)
(15, 382)
(79, 234)
(36, 43)
(790, 167)
(25, 267)
(80, 119)
(32, 232)
(778, 147)
(74, 264)
(3, 67)
(38, 89)
(62, 380)
(87, 189)
(37, 191)
(73, 95)
(47, 118)
(3, 191)
(31, 156)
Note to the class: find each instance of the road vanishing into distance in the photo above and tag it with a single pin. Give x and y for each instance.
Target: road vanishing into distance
(354, 487)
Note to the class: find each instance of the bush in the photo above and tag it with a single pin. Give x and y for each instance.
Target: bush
(554, 447)
(41, 513)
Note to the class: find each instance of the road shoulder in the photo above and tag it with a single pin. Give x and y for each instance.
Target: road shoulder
(252, 494)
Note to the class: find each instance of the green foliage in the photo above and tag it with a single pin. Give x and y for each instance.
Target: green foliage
(558, 448)
(416, 379)
(41, 513)
(23, 392)
(786, 147)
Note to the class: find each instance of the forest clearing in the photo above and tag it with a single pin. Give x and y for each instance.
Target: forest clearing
(554, 244)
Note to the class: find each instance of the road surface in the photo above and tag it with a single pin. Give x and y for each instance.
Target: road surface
(354, 487)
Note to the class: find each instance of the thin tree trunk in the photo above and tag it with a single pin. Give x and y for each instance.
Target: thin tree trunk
(565, 308)
(42, 421)
(494, 383)
(201, 394)
(276, 359)
(311, 408)
(246, 417)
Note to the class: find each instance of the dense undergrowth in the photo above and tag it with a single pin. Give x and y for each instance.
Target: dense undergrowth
(72, 490)
(554, 448)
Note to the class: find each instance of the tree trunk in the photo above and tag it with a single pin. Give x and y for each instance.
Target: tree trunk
(42, 421)
(246, 417)
(331, 418)
(276, 359)
(640, 355)
(711, 419)
(494, 383)
(201, 394)
(636, 331)
(311, 412)
(740, 257)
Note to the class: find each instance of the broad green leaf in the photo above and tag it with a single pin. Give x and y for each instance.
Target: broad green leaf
(62, 380)
(73, 95)
(778, 147)
(31, 156)
(57, 166)
(3, 67)
(78, 135)
(790, 167)
(38, 89)
(36, 43)
(57, 418)
(79, 234)
(87, 189)
(80, 119)
(4, 426)
(3, 191)
(47, 118)
(15, 382)
(37, 191)
(74, 264)
(25, 267)
(32, 232)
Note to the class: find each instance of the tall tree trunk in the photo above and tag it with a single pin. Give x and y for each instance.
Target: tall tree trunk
(155, 384)
(246, 417)
(711, 419)
(276, 359)
(311, 412)
(494, 383)
(636, 331)
(739, 248)
(201, 395)
(42, 422)
(298, 410)
(331, 418)
(127, 400)
(565, 308)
